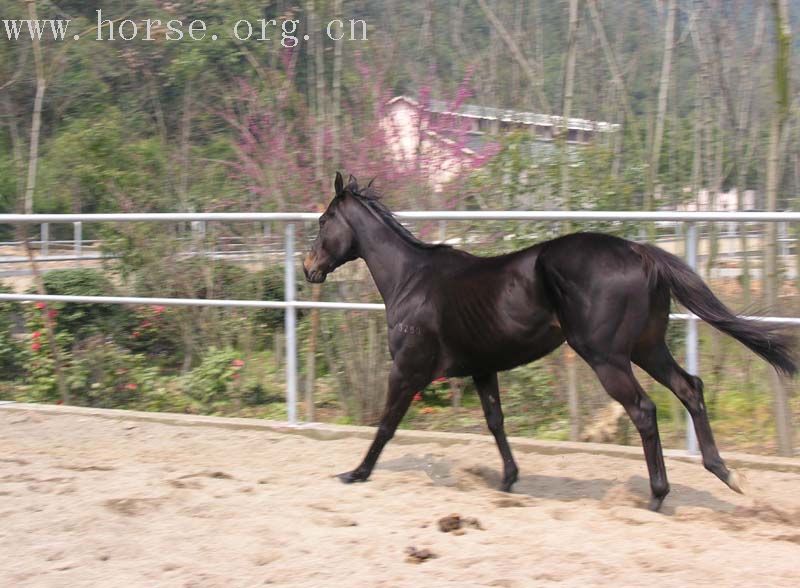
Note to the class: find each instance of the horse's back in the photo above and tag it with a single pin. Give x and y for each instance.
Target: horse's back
(580, 253)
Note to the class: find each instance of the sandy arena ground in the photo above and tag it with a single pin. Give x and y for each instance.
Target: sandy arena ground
(87, 501)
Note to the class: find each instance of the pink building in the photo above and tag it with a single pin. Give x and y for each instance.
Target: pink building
(447, 141)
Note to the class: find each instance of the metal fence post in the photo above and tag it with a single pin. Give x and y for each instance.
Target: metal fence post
(77, 237)
(44, 238)
(691, 336)
(291, 329)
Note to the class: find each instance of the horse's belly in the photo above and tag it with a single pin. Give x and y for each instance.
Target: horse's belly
(517, 353)
(487, 354)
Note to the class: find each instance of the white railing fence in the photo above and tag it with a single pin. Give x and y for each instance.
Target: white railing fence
(290, 304)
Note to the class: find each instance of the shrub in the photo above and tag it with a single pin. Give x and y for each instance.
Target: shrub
(103, 374)
(188, 278)
(185, 334)
(40, 378)
(272, 288)
(98, 372)
(212, 381)
(10, 347)
(84, 320)
(152, 330)
(530, 401)
(437, 393)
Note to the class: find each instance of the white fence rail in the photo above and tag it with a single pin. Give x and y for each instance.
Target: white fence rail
(538, 215)
(290, 304)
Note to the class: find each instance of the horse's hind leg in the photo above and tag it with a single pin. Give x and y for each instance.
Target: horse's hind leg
(490, 401)
(659, 363)
(622, 386)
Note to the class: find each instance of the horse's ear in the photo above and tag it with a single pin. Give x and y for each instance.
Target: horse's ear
(352, 183)
(370, 183)
(338, 184)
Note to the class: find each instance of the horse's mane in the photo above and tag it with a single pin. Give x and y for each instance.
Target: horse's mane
(370, 198)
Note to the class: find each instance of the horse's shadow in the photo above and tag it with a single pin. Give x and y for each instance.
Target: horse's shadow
(568, 489)
(636, 488)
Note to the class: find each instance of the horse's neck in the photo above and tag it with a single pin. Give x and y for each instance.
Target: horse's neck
(390, 258)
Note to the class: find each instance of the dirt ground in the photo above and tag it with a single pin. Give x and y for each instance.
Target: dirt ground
(86, 501)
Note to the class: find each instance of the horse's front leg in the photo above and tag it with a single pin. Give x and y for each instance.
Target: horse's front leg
(490, 401)
(401, 392)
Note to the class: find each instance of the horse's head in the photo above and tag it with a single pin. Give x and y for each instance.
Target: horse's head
(336, 241)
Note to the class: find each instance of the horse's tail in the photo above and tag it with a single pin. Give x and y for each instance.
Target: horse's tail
(769, 341)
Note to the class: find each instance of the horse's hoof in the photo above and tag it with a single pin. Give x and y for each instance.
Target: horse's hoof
(508, 483)
(350, 477)
(734, 482)
(507, 486)
(655, 503)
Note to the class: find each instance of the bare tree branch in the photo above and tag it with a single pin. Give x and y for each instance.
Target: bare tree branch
(531, 69)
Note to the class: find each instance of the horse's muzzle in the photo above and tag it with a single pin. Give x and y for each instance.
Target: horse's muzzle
(311, 270)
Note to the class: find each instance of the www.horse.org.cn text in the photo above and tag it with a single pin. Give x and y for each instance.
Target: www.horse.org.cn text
(285, 32)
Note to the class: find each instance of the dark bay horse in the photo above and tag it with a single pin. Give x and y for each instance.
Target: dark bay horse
(450, 313)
